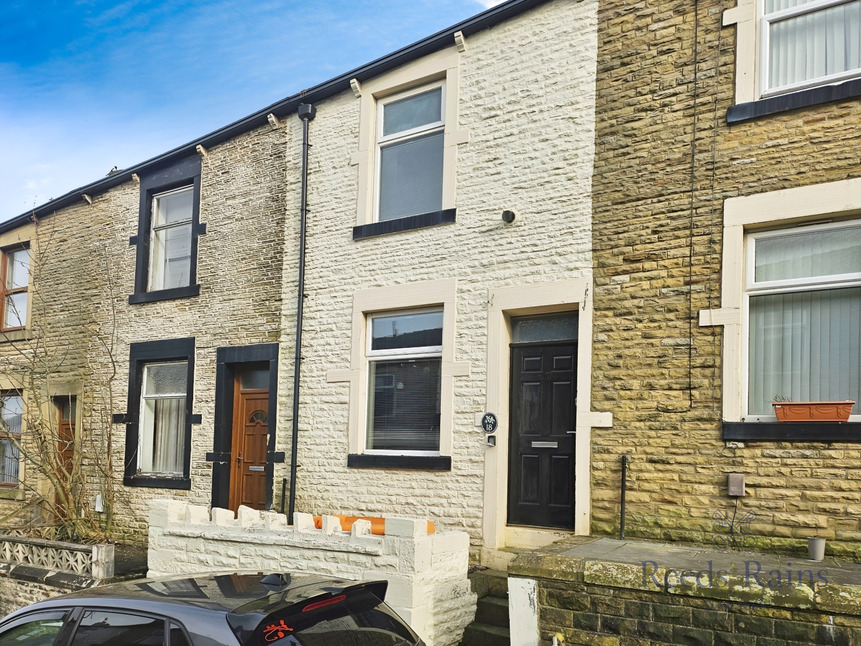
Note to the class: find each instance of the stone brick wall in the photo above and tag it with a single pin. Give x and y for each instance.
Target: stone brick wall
(427, 574)
(714, 599)
(596, 614)
(665, 161)
(16, 594)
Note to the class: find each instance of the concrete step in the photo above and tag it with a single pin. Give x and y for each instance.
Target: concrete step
(489, 583)
(492, 611)
(477, 634)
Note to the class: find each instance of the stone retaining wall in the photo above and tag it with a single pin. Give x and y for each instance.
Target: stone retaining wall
(598, 602)
(427, 574)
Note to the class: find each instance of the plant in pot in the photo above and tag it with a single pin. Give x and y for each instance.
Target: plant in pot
(818, 411)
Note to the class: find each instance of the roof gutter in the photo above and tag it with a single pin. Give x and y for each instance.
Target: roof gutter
(436, 42)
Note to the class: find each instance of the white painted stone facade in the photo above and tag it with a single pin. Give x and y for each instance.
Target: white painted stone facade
(524, 136)
(427, 574)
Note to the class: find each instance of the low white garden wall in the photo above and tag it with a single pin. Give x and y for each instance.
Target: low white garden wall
(427, 573)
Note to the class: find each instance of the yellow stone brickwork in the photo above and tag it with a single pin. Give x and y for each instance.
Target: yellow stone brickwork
(666, 160)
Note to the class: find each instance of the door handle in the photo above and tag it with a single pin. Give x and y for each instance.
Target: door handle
(571, 432)
(239, 459)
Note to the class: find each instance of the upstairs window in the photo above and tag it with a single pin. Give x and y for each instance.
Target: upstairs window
(808, 42)
(14, 282)
(170, 244)
(804, 312)
(404, 369)
(11, 415)
(410, 144)
(168, 230)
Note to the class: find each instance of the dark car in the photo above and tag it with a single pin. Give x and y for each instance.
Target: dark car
(209, 609)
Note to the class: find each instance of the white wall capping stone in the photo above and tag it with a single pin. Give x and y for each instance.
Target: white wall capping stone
(303, 522)
(408, 527)
(197, 515)
(164, 513)
(460, 41)
(331, 525)
(427, 573)
(274, 521)
(356, 87)
(222, 516)
(249, 517)
(360, 528)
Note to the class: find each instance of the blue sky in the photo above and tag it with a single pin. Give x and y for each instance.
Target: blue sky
(86, 85)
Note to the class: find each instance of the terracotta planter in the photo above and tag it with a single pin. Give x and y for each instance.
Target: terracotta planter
(813, 411)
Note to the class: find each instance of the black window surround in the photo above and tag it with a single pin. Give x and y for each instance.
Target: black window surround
(417, 462)
(408, 223)
(183, 173)
(139, 355)
(229, 360)
(849, 432)
(793, 101)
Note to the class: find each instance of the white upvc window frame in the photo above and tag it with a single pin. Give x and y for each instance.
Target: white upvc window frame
(157, 275)
(784, 286)
(383, 141)
(433, 294)
(416, 352)
(441, 68)
(782, 209)
(765, 21)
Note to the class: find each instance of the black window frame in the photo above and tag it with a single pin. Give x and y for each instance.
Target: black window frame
(182, 174)
(141, 354)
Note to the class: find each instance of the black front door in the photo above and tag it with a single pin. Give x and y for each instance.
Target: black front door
(541, 447)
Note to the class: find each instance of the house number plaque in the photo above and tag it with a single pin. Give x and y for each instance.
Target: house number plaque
(489, 423)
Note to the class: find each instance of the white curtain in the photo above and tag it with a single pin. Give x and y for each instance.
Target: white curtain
(812, 45)
(804, 346)
(169, 435)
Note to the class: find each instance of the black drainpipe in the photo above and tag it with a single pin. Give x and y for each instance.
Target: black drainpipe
(625, 460)
(306, 112)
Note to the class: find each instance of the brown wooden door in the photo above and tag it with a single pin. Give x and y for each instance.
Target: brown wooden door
(65, 445)
(541, 444)
(250, 439)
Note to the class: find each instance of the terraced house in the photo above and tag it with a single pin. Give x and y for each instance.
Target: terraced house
(727, 251)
